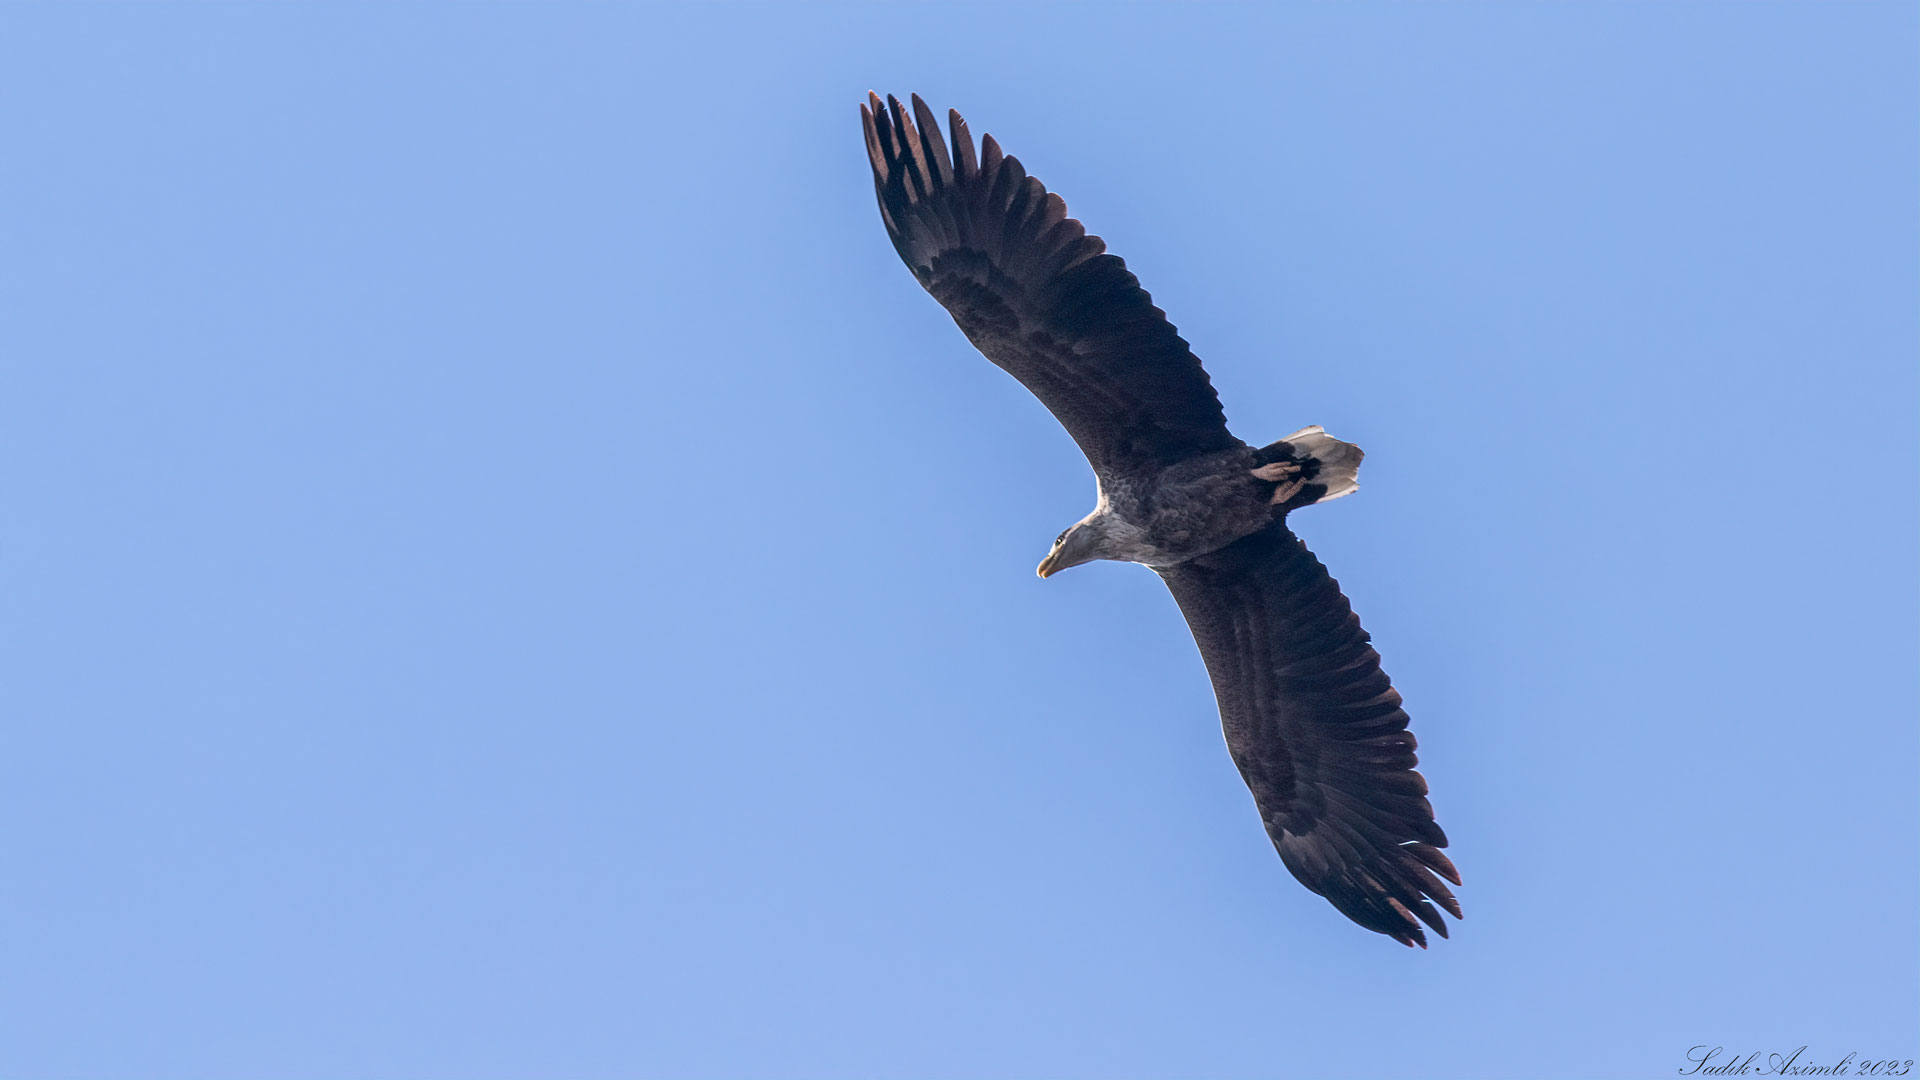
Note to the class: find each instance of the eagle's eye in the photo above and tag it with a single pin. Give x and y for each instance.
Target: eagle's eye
(1061, 539)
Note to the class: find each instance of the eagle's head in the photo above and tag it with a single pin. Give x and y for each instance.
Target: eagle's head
(1084, 541)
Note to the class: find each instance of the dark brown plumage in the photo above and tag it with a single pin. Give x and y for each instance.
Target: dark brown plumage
(1039, 296)
(1317, 731)
(1312, 722)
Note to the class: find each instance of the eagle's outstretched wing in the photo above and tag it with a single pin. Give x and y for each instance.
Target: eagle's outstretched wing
(1038, 295)
(1317, 731)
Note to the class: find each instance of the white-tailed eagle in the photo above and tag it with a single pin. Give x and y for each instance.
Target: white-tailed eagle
(1313, 723)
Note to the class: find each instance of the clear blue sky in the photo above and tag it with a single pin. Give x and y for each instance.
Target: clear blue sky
(506, 575)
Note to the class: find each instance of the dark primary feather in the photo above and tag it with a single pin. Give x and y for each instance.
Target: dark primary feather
(1318, 732)
(1038, 295)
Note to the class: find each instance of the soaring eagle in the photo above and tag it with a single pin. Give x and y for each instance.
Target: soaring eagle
(1313, 723)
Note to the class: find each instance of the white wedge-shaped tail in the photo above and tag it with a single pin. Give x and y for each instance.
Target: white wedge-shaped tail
(1335, 465)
